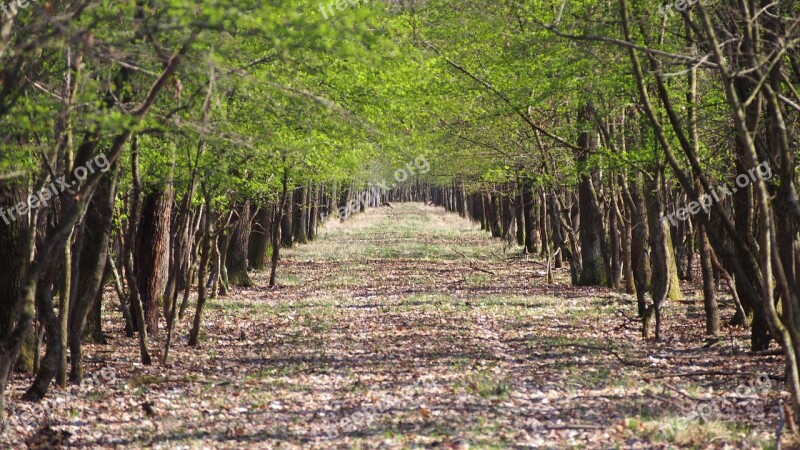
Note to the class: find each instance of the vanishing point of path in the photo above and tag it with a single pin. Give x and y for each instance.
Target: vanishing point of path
(411, 328)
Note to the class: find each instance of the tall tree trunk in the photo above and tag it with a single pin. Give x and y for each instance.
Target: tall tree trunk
(207, 243)
(709, 288)
(300, 220)
(16, 240)
(519, 210)
(495, 215)
(507, 212)
(129, 253)
(92, 263)
(280, 212)
(528, 215)
(627, 254)
(94, 324)
(640, 257)
(614, 238)
(484, 213)
(236, 261)
(260, 238)
(49, 365)
(313, 213)
(594, 250)
(151, 262)
(287, 238)
(659, 258)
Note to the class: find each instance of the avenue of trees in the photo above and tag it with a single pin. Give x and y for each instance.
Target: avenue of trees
(636, 146)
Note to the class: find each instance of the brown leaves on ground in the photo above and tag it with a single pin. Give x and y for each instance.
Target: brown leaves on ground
(382, 336)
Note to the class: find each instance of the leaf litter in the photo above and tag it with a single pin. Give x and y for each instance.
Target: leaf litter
(382, 336)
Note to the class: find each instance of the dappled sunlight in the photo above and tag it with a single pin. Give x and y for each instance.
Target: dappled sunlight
(411, 351)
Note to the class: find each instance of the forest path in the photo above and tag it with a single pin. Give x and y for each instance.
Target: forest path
(410, 327)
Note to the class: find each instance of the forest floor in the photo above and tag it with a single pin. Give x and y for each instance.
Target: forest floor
(411, 328)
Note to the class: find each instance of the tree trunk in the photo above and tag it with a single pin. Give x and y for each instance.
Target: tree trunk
(260, 238)
(495, 215)
(313, 213)
(627, 254)
(614, 238)
(280, 212)
(592, 236)
(519, 210)
(709, 289)
(659, 259)
(236, 261)
(151, 262)
(94, 325)
(207, 243)
(92, 261)
(528, 215)
(287, 238)
(300, 220)
(674, 292)
(640, 257)
(507, 213)
(16, 240)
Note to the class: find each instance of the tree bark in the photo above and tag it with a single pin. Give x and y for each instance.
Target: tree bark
(659, 259)
(260, 238)
(709, 288)
(287, 238)
(207, 242)
(92, 261)
(280, 212)
(151, 262)
(594, 249)
(236, 261)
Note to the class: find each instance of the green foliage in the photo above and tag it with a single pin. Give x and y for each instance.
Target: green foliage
(347, 98)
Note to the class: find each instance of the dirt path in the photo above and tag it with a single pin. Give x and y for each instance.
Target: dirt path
(409, 327)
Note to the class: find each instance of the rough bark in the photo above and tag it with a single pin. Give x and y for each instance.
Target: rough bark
(594, 249)
(709, 288)
(151, 261)
(92, 261)
(238, 246)
(260, 238)
(659, 259)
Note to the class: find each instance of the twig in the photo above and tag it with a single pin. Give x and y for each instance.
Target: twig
(702, 373)
(576, 426)
(472, 264)
(8, 176)
(690, 397)
(781, 425)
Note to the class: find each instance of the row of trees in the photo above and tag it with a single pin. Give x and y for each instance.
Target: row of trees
(227, 132)
(575, 129)
(643, 145)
